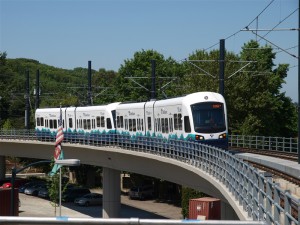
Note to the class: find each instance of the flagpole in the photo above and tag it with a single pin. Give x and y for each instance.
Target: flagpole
(60, 191)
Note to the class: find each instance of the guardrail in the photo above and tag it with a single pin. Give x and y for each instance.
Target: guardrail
(281, 144)
(262, 199)
(133, 221)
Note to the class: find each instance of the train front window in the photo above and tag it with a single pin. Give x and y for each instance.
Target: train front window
(208, 117)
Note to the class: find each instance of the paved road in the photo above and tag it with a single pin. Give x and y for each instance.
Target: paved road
(38, 207)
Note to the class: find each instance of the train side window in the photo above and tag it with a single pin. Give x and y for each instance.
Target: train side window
(102, 121)
(121, 121)
(118, 122)
(88, 121)
(149, 123)
(70, 123)
(179, 121)
(171, 124)
(55, 124)
(42, 121)
(84, 124)
(166, 125)
(51, 124)
(108, 122)
(63, 123)
(176, 122)
(130, 124)
(163, 130)
(126, 124)
(98, 121)
(187, 125)
(134, 124)
(46, 123)
(142, 124)
(159, 124)
(38, 121)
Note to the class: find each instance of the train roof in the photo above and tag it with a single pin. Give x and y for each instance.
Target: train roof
(192, 99)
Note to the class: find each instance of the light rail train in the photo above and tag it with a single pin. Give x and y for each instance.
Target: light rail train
(198, 117)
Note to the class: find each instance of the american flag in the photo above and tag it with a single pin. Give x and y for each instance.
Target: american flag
(59, 138)
(58, 152)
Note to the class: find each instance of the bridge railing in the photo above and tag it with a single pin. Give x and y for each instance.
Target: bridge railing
(259, 196)
(282, 144)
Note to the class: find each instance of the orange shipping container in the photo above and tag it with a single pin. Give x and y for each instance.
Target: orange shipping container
(205, 208)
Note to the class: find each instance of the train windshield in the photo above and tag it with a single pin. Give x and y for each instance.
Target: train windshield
(208, 117)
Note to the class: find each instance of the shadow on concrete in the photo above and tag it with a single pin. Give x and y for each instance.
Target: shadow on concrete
(126, 211)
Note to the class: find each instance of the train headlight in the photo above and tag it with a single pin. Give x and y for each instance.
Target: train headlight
(199, 137)
(222, 136)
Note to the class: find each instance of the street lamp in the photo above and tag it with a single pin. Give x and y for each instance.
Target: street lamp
(14, 172)
(64, 162)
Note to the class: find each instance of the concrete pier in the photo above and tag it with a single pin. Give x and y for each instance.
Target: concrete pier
(111, 193)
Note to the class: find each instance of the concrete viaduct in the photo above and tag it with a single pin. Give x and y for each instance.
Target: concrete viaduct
(115, 159)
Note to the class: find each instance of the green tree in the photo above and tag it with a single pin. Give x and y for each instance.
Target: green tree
(255, 104)
(139, 67)
(7, 125)
(53, 187)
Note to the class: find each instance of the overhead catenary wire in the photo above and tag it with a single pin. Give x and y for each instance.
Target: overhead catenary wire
(276, 46)
(235, 33)
(281, 22)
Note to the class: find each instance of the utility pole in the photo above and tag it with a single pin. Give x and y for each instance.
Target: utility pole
(153, 89)
(222, 67)
(27, 103)
(89, 83)
(298, 84)
(37, 90)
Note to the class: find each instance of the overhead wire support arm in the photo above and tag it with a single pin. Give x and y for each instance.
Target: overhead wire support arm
(273, 43)
(163, 87)
(239, 70)
(132, 78)
(204, 71)
(279, 29)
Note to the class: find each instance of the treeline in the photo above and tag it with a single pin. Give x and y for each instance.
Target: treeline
(256, 105)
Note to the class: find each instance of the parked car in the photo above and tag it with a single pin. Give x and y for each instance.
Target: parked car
(6, 185)
(141, 192)
(71, 193)
(43, 193)
(30, 184)
(34, 190)
(89, 199)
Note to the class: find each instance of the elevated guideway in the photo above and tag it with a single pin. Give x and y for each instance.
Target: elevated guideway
(244, 191)
(147, 162)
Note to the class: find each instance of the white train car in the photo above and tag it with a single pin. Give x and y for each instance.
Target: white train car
(196, 117)
(47, 122)
(47, 119)
(199, 116)
(131, 119)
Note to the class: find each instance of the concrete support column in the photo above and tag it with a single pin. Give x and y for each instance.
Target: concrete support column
(227, 212)
(2, 167)
(111, 193)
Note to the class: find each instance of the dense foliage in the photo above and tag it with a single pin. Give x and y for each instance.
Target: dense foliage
(256, 105)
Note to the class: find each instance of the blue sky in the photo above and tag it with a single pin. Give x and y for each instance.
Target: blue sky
(69, 33)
